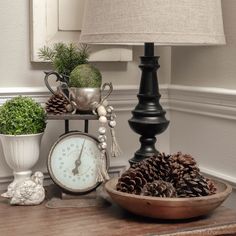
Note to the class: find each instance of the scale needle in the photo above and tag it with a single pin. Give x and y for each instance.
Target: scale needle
(75, 171)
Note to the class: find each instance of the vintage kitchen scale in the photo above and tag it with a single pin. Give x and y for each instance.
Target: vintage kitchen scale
(78, 162)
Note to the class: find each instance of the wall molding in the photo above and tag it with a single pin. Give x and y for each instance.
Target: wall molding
(212, 102)
(220, 176)
(123, 97)
(209, 101)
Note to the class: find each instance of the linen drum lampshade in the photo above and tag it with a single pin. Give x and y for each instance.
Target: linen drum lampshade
(164, 22)
(149, 22)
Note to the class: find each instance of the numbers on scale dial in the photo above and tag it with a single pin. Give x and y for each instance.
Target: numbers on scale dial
(73, 162)
(72, 150)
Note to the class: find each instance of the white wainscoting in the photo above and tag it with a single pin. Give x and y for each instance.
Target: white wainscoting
(203, 123)
(123, 99)
(214, 102)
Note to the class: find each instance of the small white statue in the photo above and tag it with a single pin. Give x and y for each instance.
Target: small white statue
(10, 190)
(28, 192)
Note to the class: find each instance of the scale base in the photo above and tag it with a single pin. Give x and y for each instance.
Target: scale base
(60, 199)
(90, 195)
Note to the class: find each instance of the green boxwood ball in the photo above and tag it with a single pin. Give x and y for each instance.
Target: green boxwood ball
(22, 115)
(85, 76)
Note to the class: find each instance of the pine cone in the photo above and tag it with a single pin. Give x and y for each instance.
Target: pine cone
(159, 188)
(157, 167)
(150, 169)
(192, 185)
(132, 181)
(182, 164)
(211, 186)
(57, 104)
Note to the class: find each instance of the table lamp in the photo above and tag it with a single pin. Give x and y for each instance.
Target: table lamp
(149, 23)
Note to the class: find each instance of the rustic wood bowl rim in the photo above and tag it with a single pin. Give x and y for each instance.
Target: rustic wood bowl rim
(110, 187)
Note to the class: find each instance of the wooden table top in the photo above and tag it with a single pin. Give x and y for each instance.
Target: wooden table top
(69, 116)
(105, 220)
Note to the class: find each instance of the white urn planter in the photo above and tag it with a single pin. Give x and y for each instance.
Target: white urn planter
(21, 154)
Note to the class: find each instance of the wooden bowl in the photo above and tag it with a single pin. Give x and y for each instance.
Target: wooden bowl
(169, 208)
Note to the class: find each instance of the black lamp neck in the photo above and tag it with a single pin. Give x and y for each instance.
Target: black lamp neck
(148, 49)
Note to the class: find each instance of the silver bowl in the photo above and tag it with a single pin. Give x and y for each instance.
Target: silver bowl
(84, 97)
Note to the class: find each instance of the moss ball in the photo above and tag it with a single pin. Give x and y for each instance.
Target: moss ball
(85, 76)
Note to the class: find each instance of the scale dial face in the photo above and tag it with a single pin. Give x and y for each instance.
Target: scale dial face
(73, 162)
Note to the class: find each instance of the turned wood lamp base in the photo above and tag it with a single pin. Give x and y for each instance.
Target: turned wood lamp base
(148, 118)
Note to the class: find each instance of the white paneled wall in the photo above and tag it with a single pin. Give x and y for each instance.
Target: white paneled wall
(123, 99)
(203, 124)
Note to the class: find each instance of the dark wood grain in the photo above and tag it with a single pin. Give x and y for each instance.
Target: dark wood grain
(106, 220)
(70, 116)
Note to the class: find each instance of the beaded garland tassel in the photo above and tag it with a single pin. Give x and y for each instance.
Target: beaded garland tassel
(106, 116)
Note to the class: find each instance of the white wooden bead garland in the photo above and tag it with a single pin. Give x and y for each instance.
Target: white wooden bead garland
(106, 116)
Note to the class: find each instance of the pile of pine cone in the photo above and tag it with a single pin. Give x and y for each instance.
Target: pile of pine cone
(166, 176)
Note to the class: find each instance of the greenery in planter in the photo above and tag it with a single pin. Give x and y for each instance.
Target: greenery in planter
(85, 76)
(65, 57)
(22, 115)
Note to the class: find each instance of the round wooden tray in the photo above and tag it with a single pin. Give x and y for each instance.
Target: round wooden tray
(169, 208)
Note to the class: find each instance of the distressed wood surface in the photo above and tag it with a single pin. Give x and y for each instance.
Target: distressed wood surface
(106, 220)
(70, 116)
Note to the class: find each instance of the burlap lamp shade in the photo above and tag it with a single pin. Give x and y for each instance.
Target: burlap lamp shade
(164, 22)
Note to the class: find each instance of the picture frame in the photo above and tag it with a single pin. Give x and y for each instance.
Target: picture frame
(53, 21)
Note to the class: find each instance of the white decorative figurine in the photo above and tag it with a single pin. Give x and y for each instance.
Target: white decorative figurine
(29, 191)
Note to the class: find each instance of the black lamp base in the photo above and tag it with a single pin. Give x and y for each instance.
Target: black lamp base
(148, 116)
